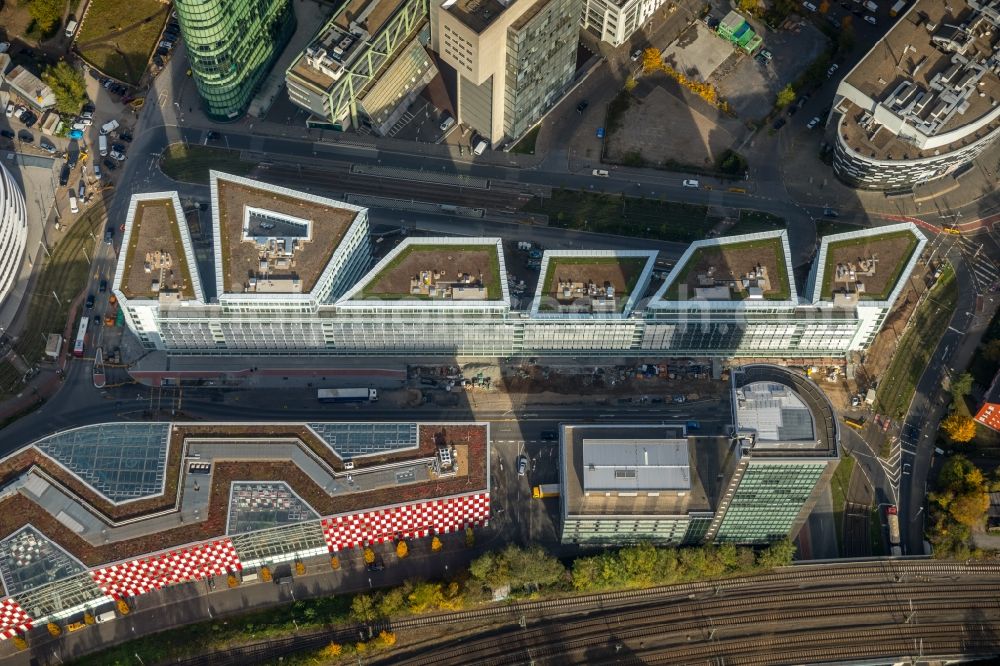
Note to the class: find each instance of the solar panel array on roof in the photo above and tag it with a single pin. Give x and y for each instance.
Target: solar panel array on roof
(29, 559)
(122, 461)
(354, 440)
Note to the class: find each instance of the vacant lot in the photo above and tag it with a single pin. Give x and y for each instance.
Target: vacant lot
(118, 37)
(449, 260)
(667, 126)
(891, 251)
(624, 216)
(621, 273)
(729, 263)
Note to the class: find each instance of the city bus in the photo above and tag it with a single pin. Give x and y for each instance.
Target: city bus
(81, 335)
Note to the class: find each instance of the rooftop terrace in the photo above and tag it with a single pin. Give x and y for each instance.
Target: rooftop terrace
(272, 239)
(592, 284)
(155, 261)
(865, 265)
(737, 268)
(430, 269)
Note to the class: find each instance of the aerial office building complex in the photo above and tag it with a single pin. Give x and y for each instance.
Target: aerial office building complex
(231, 46)
(292, 277)
(13, 231)
(512, 59)
(116, 510)
(365, 65)
(924, 102)
(628, 483)
(615, 21)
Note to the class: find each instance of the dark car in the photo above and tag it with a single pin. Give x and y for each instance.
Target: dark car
(549, 435)
(90, 301)
(29, 119)
(97, 320)
(97, 75)
(158, 61)
(213, 135)
(71, 158)
(778, 124)
(582, 106)
(109, 164)
(830, 212)
(161, 51)
(7, 134)
(64, 174)
(88, 108)
(126, 137)
(120, 147)
(104, 286)
(25, 136)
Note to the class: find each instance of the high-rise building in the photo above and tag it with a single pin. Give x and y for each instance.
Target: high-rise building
(231, 46)
(615, 21)
(512, 59)
(753, 483)
(13, 231)
(923, 103)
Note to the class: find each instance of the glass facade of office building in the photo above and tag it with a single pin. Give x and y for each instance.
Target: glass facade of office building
(231, 46)
(767, 501)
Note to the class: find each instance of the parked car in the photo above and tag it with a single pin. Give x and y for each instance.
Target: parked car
(64, 174)
(82, 190)
(813, 123)
(117, 155)
(25, 136)
(126, 136)
(446, 124)
(47, 146)
(109, 164)
(778, 124)
(97, 171)
(120, 147)
(7, 134)
(871, 19)
(4, 47)
(522, 465)
(636, 55)
(549, 435)
(582, 106)
(10, 109)
(29, 119)
(19, 111)
(832, 70)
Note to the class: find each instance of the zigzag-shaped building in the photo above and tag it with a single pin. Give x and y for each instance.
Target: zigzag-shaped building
(293, 276)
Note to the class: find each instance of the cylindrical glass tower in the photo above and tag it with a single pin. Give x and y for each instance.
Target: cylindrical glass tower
(231, 46)
(13, 231)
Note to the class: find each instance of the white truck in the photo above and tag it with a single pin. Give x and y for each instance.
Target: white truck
(347, 395)
(102, 144)
(897, 8)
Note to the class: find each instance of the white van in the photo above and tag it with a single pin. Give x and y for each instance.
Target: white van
(102, 144)
(71, 27)
(481, 147)
(109, 127)
(600, 173)
(73, 208)
(106, 616)
(691, 183)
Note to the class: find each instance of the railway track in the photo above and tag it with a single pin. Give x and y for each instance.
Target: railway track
(787, 618)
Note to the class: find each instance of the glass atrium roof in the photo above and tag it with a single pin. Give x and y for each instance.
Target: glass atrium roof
(259, 505)
(353, 440)
(28, 559)
(279, 541)
(123, 461)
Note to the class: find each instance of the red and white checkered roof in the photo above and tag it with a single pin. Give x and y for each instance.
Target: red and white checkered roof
(13, 619)
(409, 520)
(174, 566)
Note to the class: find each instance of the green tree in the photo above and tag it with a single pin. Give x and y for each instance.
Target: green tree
(391, 602)
(363, 608)
(778, 554)
(490, 569)
(961, 386)
(425, 597)
(750, 6)
(68, 86)
(785, 96)
(532, 566)
(47, 14)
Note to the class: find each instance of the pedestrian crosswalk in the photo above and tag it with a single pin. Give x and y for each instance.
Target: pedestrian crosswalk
(985, 274)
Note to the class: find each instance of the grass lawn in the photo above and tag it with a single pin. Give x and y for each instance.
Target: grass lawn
(624, 216)
(896, 387)
(839, 484)
(526, 146)
(829, 227)
(65, 273)
(118, 37)
(191, 163)
(753, 221)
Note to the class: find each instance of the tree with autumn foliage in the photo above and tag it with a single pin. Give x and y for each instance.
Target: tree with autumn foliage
(333, 650)
(958, 506)
(386, 639)
(652, 60)
(959, 427)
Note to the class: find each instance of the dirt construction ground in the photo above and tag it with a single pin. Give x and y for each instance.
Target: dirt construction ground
(668, 125)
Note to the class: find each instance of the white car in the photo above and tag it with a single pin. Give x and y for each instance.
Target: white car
(870, 19)
(813, 123)
(691, 183)
(10, 109)
(833, 68)
(118, 155)
(20, 111)
(446, 124)
(4, 47)
(601, 173)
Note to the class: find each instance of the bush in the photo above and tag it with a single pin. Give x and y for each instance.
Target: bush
(436, 544)
(369, 556)
(335, 563)
(470, 538)
(300, 568)
(732, 163)
(122, 606)
(232, 581)
(54, 628)
(785, 97)
(386, 639)
(19, 642)
(402, 550)
(265, 574)
(88, 618)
